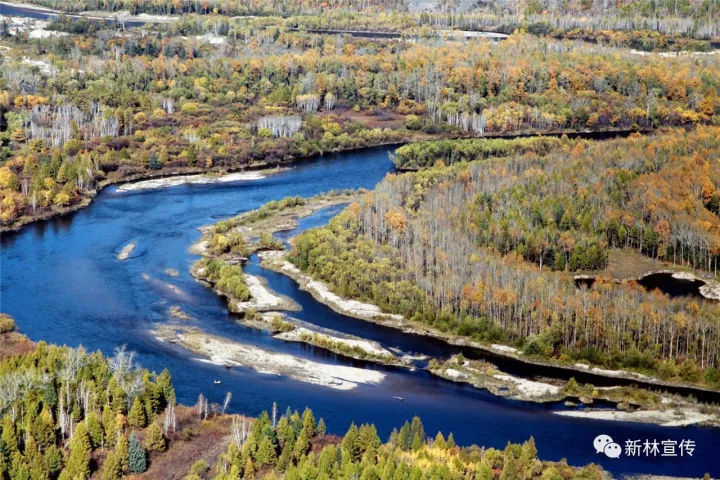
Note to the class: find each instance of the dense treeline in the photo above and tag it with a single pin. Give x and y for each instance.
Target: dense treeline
(71, 415)
(643, 24)
(294, 447)
(60, 406)
(659, 196)
(261, 93)
(466, 249)
(222, 7)
(688, 18)
(426, 154)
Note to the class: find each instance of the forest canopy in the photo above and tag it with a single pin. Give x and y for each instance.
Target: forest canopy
(482, 249)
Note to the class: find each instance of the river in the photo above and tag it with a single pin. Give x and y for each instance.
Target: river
(62, 282)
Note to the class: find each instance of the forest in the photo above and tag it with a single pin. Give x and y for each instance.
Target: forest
(485, 249)
(212, 94)
(70, 414)
(644, 24)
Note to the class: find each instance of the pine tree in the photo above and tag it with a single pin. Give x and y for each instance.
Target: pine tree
(416, 443)
(416, 428)
(164, 382)
(266, 453)
(43, 429)
(109, 425)
(308, 422)
(249, 473)
(19, 469)
(321, 429)
(121, 450)
(53, 460)
(439, 441)
(451, 441)
(351, 444)
(9, 438)
(285, 458)
(137, 462)
(112, 467)
(302, 444)
(78, 463)
(136, 417)
(154, 439)
(95, 429)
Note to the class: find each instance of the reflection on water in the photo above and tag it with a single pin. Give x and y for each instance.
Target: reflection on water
(62, 282)
(675, 287)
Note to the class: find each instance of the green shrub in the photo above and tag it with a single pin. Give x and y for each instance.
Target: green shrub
(7, 324)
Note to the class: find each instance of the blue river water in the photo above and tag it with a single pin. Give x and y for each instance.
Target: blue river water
(61, 281)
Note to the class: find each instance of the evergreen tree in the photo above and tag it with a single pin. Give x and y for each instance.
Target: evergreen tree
(351, 444)
(249, 473)
(302, 445)
(451, 441)
(416, 428)
(266, 453)
(109, 425)
(154, 439)
(19, 469)
(308, 422)
(122, 450)
(439, 441)
(321, 428)
(136, 417)
(43, 429)
(285, 458)
(9, 438)
(112, 467)
(164, 382)
(137, 463)
(53, 460)
(50, 394)
(78, 463)
(95, 429)
(416, 443)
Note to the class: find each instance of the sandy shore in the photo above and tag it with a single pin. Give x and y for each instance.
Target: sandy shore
(275, 260)
(221, 351)
(184, 179)
(358, 348)
(678, 417)
(529, 388)
(263, 299)
(485, 375)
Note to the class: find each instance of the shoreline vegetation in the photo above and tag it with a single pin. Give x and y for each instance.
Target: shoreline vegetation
(201, 106)
(259, 169)
(225, 246)
(114, 431)
(514, 235)
(634, 404)
(626, 27)
(485, 375)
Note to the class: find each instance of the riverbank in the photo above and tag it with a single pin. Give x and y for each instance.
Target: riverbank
(164, 178)
(221, 351)
(266, 168)
(171, 176)
(252, 231)
(277, 262)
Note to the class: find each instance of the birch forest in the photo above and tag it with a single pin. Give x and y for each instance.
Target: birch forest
(87, 104)
(485, 250)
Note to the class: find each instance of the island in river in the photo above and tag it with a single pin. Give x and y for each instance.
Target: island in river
(251, 232)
